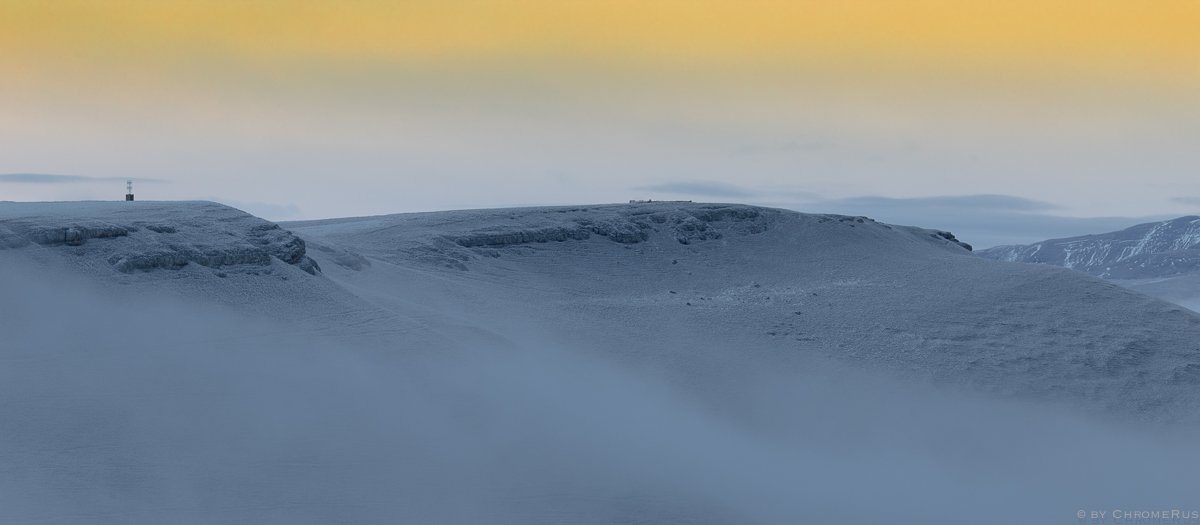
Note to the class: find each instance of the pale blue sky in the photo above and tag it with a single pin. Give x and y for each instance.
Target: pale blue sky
(1088, 120)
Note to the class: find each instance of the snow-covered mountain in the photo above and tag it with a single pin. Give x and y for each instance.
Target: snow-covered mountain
(1158, 258)
(1145, 251)
(632, 363)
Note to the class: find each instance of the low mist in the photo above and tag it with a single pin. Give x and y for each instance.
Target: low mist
(151, 411)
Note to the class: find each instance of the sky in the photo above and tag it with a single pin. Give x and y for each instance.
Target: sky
(1013, 121)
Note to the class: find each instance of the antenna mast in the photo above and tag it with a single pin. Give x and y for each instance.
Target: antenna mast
(129, 190)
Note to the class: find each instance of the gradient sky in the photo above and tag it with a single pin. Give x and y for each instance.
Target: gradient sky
(314, 109)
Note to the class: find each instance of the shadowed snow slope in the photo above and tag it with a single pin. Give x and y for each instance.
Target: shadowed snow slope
(665, 363)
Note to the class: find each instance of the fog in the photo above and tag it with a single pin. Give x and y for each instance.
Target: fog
(151, 410)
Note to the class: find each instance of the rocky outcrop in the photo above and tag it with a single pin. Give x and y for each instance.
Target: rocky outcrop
(939, 234)
(134, 237)
(685, 224)
(71, 235)
(522, 236)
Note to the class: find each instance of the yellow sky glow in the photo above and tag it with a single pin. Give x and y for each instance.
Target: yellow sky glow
(1039, 98)
(1092, 35)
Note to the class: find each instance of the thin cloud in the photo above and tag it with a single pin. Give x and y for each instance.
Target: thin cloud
(990, 202)
(700, 189)
(982, 220)
(1190, 201)
(266, 210)
(783, 147)
(51, 178)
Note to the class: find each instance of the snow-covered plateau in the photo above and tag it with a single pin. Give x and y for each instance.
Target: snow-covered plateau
(185, 362)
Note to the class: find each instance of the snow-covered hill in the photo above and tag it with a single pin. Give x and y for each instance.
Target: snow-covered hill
(658, 281)
(1158, 258)
(632, 363)
(204, 253)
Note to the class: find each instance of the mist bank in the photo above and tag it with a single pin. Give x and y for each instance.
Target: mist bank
(154, 409)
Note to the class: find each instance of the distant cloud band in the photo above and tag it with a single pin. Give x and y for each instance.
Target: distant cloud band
(699, 188)
(984, 220)
(49, 178)
(962, 202)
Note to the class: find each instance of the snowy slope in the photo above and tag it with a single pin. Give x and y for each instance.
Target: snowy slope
(652, 363)
(774, 283)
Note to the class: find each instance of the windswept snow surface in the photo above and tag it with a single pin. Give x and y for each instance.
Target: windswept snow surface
(642, 363)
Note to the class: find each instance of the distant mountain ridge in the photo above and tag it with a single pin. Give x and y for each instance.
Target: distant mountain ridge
(1146, 251)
